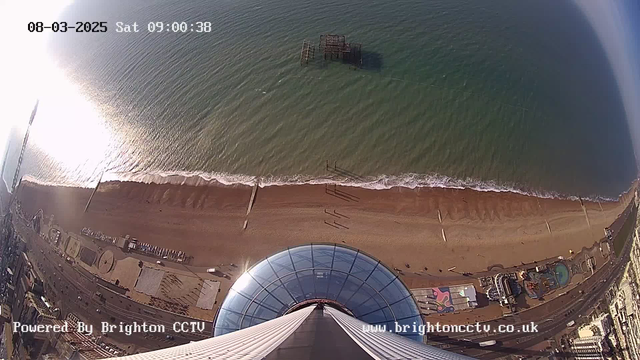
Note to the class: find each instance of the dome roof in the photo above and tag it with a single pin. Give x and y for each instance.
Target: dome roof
(340, 276)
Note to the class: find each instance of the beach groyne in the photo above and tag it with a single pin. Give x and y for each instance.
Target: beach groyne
(398, 225)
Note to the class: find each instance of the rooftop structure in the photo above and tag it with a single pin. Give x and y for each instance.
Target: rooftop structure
(5, 312)
(600, 326)
(624, 308)
(540, 281)
(502, 287)
(446, 299)
(72, 344)
(594, 347)
(341, 277)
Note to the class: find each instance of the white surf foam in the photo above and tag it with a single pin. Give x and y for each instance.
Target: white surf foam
(382, 182)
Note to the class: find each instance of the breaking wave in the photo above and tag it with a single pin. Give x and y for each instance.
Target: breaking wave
(35, 180)
(338, 177)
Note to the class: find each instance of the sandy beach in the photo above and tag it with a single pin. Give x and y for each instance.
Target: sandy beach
(398, 226)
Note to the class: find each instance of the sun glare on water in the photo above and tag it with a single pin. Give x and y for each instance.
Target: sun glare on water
(68, 127)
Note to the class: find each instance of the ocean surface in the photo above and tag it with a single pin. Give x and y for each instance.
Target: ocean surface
(498, 95)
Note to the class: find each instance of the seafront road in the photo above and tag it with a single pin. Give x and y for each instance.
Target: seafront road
(73, 291)
(551, 317)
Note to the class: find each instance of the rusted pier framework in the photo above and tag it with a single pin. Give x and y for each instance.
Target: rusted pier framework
(336, 46)
(308, 52)
(332, 47)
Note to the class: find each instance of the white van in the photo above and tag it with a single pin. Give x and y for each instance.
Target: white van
(487, 343)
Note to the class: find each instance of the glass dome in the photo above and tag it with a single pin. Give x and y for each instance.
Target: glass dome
(340, 276)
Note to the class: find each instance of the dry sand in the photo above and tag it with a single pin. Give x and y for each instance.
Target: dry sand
(399, 226)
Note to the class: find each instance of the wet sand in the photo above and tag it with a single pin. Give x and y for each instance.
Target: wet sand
(398, 226)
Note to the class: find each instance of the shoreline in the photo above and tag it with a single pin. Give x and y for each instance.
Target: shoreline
(398, 226)
(334, 176)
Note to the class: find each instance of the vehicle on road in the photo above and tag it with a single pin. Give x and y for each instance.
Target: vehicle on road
(159, 263)
(571, 323)
(98, 311)
(487, 343)
(211, 270)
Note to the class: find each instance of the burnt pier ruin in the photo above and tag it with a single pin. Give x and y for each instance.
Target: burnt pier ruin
(333, 47)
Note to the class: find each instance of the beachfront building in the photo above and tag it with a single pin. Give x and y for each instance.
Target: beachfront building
(502, 287)
(594, 347)
(35, 311)
(544, 279)
(625, 313)
(314, 302)
(446, 299)
(73, 344)
(599, 326)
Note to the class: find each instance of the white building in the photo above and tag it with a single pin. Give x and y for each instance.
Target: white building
(600, 326)
(625, 304)
(594, 347)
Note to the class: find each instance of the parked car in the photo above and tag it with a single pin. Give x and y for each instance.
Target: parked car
(487, 343)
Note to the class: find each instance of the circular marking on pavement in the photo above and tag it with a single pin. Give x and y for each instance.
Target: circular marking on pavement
(105, 263)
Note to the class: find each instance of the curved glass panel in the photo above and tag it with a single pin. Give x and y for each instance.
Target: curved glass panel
(359, 283)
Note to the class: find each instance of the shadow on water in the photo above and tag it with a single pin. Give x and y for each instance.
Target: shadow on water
(320, 63)
(372, 60)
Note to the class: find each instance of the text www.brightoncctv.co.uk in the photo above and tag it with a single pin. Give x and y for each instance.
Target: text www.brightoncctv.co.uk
(426, 328)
